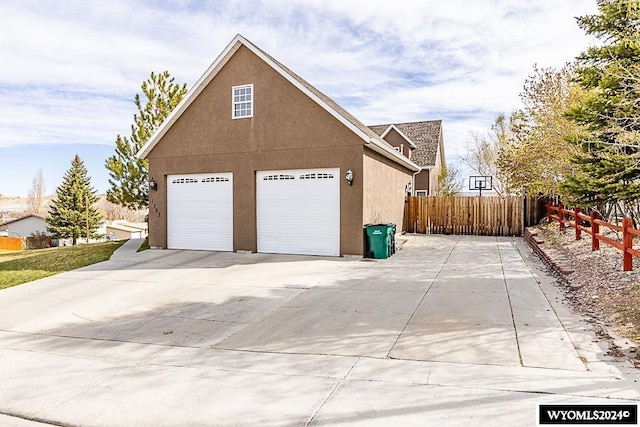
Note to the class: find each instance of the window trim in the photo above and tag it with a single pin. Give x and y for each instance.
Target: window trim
(233, 102)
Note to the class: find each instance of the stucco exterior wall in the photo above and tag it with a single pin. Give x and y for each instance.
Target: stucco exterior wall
(287, 131)
(384, 190)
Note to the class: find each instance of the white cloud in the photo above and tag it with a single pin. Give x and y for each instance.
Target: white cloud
(71, 68)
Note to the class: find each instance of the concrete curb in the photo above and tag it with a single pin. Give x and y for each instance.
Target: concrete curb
(557, 264)
(561, 270)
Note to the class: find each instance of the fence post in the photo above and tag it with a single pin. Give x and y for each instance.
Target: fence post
(561, 217)
(595, 229)
(577, 220)
(549, 211)
(627, 243)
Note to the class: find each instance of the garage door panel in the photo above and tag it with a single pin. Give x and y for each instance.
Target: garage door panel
(200, 211)
(298, 211)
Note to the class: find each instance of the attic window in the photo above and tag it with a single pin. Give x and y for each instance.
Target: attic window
(242, 101)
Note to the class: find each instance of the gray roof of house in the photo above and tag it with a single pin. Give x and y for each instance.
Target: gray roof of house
(11, 221)
(425, 135)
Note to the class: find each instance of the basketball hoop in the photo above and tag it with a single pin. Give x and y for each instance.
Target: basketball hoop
(481, 182)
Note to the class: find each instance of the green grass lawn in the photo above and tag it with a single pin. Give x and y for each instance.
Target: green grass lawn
(17, 267)
(144, 246)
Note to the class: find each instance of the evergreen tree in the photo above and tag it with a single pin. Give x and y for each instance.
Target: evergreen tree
(607, 163)
(72, 214)
(129, 175)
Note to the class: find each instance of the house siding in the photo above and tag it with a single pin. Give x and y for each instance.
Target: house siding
(26, 226)
(422, 180)
(396, 140)
(120, 234)
(434, 185)
(439, 165)
(287, 131)
(384, 190)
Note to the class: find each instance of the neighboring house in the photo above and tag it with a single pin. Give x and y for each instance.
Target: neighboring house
(256, 159)
(25, 226)
(120, 229)
(123, 230)
(422, 142)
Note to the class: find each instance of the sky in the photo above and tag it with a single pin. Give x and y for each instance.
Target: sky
(69, 70)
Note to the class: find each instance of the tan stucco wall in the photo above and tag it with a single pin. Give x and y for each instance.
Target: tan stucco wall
(384, 190)
(287, 131)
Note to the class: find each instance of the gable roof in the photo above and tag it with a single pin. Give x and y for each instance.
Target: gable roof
(370, 138)
(122, 222)
(11, 221)
(425, 135)
(405, 137)
(123, 227)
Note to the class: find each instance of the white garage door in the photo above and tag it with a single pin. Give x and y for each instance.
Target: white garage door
(298, 211)
(200, 211)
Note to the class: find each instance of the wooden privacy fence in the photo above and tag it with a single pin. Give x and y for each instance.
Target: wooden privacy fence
(560, 214)
(10, 243)
(481, 216)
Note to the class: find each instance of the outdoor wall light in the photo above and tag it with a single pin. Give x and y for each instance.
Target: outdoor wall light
(153, 185)
(349, 176)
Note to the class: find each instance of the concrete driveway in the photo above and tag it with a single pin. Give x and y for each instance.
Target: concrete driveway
(450, 330)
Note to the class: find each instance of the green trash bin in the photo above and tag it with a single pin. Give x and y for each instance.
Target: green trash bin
(378, 240)
(391, 230)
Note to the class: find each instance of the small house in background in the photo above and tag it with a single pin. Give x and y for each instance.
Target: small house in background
(124, 230)
(422, 143)
(25, 226)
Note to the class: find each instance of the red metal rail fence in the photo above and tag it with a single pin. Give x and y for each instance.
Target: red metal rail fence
(560, 214)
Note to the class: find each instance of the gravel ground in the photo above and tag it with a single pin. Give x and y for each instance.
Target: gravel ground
(606, 296)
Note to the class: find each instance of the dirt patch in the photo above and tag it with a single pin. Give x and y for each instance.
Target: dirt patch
(598, 289)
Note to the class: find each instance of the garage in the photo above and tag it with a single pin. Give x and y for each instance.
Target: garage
(200, 211)
(285, 148)
(298, 211)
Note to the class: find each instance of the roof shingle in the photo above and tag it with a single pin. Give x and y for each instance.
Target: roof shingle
(425, 135)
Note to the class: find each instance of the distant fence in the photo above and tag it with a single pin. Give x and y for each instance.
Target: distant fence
(481, 216)
(37, 241)
(10, 243)
(560, 214)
